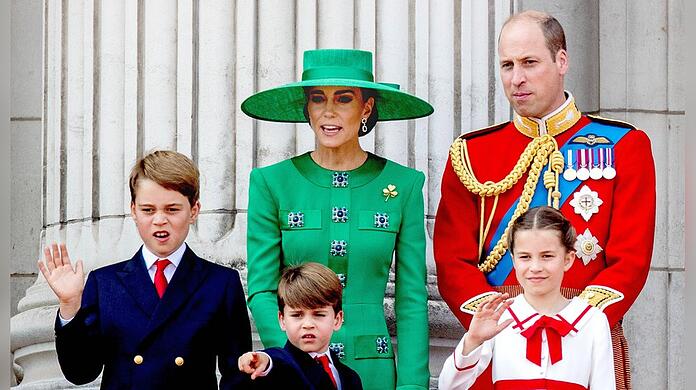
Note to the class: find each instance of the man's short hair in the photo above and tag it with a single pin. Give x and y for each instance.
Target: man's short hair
(550, 27)
(172, 170)
(309, 286)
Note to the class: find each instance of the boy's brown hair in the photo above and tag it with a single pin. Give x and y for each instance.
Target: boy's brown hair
(172, 170)
(309, 286)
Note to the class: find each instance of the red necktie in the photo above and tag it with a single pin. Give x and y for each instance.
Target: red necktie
(555, 329)
(160, 280)
(324, 361)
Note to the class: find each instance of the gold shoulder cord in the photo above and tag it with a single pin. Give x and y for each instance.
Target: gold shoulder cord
(539, 152)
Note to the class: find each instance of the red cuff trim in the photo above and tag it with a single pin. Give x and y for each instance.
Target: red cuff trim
(454, 361)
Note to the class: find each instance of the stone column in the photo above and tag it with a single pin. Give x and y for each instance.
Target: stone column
(642, 83)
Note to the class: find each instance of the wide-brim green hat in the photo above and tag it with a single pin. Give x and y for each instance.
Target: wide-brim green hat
(334, 67)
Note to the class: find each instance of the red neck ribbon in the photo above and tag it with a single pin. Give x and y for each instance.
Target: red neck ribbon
(555, 329)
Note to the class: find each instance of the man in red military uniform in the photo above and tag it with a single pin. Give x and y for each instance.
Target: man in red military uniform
(598, 172)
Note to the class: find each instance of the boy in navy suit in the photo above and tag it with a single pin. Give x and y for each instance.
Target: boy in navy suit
(161, 319)
(309, 304)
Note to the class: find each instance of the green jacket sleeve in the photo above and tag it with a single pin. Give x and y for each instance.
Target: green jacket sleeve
(263, 260)
(411, 301)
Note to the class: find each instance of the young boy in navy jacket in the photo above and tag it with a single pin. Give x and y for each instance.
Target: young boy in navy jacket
(161, 319)
(309, 311)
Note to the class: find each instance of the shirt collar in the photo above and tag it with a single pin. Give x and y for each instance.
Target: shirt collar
(556, 122)
(174, 258)
(315, 354)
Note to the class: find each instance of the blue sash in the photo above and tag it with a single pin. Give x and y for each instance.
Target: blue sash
(504, 267)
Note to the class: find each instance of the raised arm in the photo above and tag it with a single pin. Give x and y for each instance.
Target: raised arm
(474, 352)
(66, 281)
(79, 343)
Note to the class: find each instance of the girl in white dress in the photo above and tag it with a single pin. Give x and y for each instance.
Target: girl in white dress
(539, 339)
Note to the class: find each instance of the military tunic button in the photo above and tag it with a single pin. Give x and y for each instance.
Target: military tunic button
(138, 359)
(179, 361)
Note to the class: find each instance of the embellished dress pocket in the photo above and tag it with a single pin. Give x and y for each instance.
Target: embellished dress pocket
(380, 220)
(376, 346)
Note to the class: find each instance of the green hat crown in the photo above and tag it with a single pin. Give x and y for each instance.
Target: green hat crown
(334, 67)
(337, 63)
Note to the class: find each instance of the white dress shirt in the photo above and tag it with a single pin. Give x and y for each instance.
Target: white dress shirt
(175, 258)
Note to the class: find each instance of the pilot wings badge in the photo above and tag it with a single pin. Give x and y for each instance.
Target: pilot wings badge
(591, 140)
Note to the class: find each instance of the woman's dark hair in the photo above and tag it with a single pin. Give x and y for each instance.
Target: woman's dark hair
(367, 93)
(543, 218)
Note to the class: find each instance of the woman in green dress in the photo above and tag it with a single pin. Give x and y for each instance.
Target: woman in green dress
(348, 209)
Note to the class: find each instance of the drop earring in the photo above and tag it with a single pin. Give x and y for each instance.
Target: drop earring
(364, 125)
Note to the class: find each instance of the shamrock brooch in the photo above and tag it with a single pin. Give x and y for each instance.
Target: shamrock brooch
(389, 192)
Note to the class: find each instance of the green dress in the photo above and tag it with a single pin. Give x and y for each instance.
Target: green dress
(299, 212)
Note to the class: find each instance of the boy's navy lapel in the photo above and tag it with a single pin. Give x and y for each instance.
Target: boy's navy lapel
(314, 372)
(350, 380)
(138, 284)
(190, 273)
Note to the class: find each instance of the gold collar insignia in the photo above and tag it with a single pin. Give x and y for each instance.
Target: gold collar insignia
(553, 124)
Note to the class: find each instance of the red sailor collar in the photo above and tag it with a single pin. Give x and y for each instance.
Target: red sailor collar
(558, 121)
(577, 313)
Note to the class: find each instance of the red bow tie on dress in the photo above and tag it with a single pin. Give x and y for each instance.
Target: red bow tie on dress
(555, 329)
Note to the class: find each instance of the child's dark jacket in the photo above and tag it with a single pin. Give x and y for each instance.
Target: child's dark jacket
(143, 342)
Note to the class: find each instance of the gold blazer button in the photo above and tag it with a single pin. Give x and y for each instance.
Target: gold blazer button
(138, 359)
(179, 361)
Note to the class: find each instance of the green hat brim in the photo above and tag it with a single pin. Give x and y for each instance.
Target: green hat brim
(286, 103)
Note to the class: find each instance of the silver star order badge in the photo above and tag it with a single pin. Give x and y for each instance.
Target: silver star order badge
(586, 202)
(587, 246)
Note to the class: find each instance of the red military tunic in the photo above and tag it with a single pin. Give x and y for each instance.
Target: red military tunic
(617, 226)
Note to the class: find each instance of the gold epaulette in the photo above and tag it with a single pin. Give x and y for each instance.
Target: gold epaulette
(482, 131)
(609, 121)
(600, 296)
(471, 306)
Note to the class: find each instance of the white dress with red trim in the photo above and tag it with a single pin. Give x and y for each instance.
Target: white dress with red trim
(571, 350)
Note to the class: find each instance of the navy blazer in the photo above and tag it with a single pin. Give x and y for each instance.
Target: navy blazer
(295, 369)
(143, 342)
